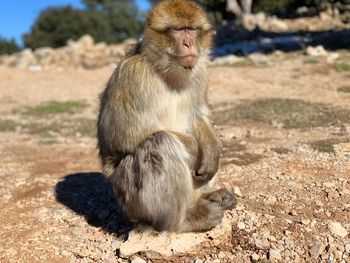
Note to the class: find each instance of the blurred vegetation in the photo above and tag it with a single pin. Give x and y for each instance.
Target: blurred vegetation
(217, 8)
(8, 46)
(105, 20)
(113, 21)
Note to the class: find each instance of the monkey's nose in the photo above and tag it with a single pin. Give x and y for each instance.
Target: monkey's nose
(188, 44)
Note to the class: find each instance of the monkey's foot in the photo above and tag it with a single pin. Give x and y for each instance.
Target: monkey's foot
(222, 197)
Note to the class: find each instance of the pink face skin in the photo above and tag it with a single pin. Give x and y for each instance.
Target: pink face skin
(186, 45)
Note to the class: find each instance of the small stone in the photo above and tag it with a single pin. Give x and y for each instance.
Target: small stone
(240, 207)
(138, 260)
(337, 229)
(255, 257)
(237, 191)
(275, 254)
(316, 250)
(221, 255)
(338, 255)
(241, 225)
(198, 260)
(109, 257)
(287, 232)
(305, 221)
(262, 243)
(83, 253)
(347, 248)
(115, 244)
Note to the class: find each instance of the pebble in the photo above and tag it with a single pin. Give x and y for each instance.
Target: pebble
(241, 225)
(255, 257)
(316, 250)
(115, 244)
(337, 229)
(138, 260)
(237, 191)
(275, 254)
(221, 255)
(262, 243)
(347, 248)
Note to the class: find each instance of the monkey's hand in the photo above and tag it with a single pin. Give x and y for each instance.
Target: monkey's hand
(208, 164)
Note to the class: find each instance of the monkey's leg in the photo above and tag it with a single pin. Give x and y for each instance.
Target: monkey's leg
(154, 184)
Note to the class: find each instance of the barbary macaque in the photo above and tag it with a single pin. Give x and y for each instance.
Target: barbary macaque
(157, 145)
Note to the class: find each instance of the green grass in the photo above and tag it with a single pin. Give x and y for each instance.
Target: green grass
(67, 127)
(7, 125)
(341, 67)
(345, 89)
(57, 107)
(311, 61)
(291, 113)
(326, 146)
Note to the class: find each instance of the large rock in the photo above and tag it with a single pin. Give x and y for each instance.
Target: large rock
(24, 59)
(337, 229)
(162, 245)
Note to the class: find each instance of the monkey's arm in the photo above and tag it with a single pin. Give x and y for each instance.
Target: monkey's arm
(209, 150)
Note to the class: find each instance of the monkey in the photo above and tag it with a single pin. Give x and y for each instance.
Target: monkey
(156, 143)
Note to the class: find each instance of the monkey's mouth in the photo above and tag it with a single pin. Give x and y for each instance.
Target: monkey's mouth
(188, 62)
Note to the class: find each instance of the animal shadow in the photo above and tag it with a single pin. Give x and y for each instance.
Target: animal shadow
(91, 195)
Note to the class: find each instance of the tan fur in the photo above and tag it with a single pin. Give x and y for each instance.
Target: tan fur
(156, 142)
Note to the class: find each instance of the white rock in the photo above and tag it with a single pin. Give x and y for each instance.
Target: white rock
(337, 229)
(138, 260)
(347, 248)
(255, 257)
(237, 191)
(317, 51)
(240, 225)
(275, 254)
(144, 239)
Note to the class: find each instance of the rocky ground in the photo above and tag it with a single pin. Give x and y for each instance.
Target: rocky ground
(285, 123)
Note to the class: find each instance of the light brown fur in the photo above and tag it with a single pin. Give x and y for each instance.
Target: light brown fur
(156, 142)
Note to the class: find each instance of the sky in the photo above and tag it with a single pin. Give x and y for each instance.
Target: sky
(17, 16)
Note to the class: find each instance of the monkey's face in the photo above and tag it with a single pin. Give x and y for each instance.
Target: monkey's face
(184, 48)
(177, 33)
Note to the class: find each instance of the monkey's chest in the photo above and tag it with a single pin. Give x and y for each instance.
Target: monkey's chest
(175, 112)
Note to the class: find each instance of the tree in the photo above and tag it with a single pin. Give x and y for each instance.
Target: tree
(56, 25)
(123, 16)
(8, 46)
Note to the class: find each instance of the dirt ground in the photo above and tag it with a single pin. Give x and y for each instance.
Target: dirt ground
(285, 123)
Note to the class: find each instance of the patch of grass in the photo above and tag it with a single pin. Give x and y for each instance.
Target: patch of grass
(7, 125)
(311, 61)
(233, 152)
(57, 107)
(72, 127)
(281, 150)
(345, 89)
(290, 113)
(341, 67)
(326, 146)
